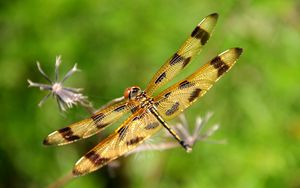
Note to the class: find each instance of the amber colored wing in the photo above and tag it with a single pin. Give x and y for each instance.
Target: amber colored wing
(183, 56)
(128, 136)
(182, 94)
(90, 126)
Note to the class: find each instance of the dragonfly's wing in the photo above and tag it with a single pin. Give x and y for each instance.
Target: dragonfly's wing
(182, 94)
(128, 136)
(90, 126)
(182, 57)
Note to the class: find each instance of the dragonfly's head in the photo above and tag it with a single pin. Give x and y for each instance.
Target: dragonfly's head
(131, 92)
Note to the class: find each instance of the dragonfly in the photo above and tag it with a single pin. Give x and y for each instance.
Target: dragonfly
(147, 114)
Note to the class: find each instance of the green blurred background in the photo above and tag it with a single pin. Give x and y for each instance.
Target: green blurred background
(122, 43)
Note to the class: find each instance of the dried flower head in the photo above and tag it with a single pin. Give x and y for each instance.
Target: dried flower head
(66, 97)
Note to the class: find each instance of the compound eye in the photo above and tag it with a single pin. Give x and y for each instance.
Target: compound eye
(131, 92)
(127, 93)
(134, 91)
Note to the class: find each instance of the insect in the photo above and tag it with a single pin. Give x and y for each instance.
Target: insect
(148, 114)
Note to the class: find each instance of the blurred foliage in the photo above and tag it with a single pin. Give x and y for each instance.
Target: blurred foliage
(122, 43)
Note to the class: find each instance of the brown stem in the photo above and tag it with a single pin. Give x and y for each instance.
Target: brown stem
(62, 181)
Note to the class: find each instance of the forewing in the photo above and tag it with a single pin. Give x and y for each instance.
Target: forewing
(182, 94)
(183, 56)
(128, 136)
(90, 126)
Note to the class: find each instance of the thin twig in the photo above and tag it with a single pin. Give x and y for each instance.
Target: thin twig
(62, 181)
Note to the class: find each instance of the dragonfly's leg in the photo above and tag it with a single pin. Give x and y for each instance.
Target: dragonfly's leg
(186, 146)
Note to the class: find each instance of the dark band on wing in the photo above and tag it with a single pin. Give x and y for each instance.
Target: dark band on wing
(223, 69)
(176, 59)
(173, 109)
(122, 132)
(163, 99)
(219, 64)
(96, 158)
(186, 61)
(46, 141)
(101, 125)
(185, 84)
(68, 134)
(194, 94)
(120, 108)
(179, 59)
(160, 78)
(97, 120)
(138, 117)
(200, 34)
(152, 125)
(135, 140)
(167, 94)
(98, 117)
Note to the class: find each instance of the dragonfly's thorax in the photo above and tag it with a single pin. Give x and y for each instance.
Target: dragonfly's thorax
(144, 100)
(137, 96)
